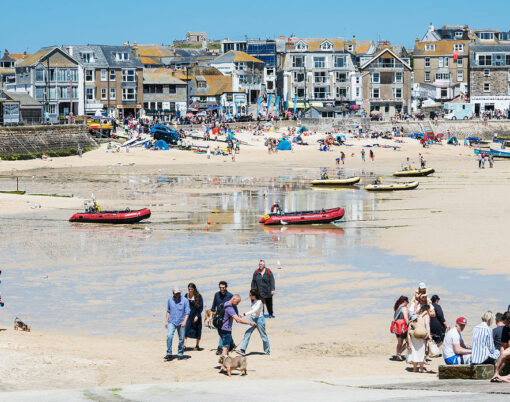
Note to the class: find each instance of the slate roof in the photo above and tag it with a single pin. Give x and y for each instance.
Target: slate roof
(109, 54)
(99, 58)
(23, 98)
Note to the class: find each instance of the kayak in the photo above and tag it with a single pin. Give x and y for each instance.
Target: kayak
(304, 217)
(392, 187)
(126, 216)
(349, 181)
(414, 172)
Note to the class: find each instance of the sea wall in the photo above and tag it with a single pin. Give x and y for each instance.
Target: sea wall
(32, 141)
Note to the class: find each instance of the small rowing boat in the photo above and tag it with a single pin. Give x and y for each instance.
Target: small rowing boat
(303, 217)
(392, 187)
(414, 172)
(126, 216)
(349, 181)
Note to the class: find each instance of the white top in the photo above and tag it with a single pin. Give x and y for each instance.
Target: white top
(452, 337)
(256, 309)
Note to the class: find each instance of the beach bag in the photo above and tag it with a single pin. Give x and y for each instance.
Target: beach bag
(217, 320)
(433, 351)
(398, 327)
(420, 332)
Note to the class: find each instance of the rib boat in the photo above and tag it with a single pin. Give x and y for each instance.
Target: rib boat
(304, 217)
(414, 172)
(126, 216)
(349, 181)
(392, 187)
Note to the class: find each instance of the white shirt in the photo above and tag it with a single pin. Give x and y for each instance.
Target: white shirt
(256, 309)
(483, 344)
(452, 337)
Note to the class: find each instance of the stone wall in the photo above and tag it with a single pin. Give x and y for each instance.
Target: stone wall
(35, 140)
(497, 78)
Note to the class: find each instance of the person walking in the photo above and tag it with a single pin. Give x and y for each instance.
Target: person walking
(372, 155)
(177, 314)
(363, 155)
(342, 157)
(417, 336)
(263, 281)
(491, 161)
(401, 312)
(225, 331)
(221, 297)
(194, 323)
(256, 315)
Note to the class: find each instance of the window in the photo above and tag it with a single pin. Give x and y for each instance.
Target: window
(320, 77)
(301, 46)
(460, 76)
(508, 89)
(357, 92)
(89, 93)
(103, 94)
(375, 93)
(112, 75)
(397, 78)
(443, 61)
(486, 72)
(460, 62)
(357, 79)
(458, 34)
(122, 56)
(375, 78)
(299, 77)
(508, 59)
(487, 35)
(103, 74)
(326, 45)
(298, 61)
(350, 48)
(498, 60)
(459, 47)
(321, 92)
(201, 84)
(40, 75)
(113, 94)
(430, 47)
(39, 92)
(427, 61)
(128, 94)
(128, 76)
(341, 77)
(171, 89)
(300, 92)
(340, 61)
(444, 92)
(485, 60)
(486, 87)
(397, 93)
(89, 75)
(341, 92)
(427, 76)
(319, 62)
(87, 57)
(442, 76)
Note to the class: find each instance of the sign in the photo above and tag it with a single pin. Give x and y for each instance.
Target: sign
(11, 112)
(166, 105)
(490, 98)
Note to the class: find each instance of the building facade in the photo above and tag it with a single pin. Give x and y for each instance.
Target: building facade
(164, 95)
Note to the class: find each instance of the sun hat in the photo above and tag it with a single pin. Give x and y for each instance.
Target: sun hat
(177, 289)
(422, 285)
(412, 316)
(461, 320)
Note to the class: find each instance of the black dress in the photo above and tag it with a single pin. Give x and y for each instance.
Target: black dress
(194, 329)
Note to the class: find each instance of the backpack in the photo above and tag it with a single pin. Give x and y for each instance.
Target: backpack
(398, 326)
(268, 271)
(217, 320)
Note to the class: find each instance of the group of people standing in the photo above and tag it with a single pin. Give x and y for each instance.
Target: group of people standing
(421, 328)
(184, 315)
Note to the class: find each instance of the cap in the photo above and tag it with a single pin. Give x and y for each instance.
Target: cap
(422, 285)
(461, 320)
(412, 316)
(177, 289)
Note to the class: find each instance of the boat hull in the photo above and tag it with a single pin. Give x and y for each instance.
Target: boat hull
(494, 152)
(414, 173)
(336, 182)
(392, 187)
(304, 217)
(117, 217)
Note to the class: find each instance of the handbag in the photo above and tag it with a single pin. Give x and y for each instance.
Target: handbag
(434, 351)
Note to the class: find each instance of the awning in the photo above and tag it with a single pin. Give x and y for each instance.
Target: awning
(326, 109)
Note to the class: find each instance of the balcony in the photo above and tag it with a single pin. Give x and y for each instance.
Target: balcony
(321, 80)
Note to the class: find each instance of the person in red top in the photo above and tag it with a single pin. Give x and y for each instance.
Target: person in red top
(263, 281)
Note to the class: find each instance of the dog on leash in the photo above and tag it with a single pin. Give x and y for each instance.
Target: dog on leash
(20, 325)
(232, 363)
(208, 317)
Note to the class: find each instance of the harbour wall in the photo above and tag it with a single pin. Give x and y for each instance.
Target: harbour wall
(32, 141)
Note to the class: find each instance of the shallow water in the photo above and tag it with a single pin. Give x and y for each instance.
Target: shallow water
(106, 279)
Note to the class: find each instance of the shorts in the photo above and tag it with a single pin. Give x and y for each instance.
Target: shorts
(438, 339)
(403, 335)
(458, 359)
(226, 338)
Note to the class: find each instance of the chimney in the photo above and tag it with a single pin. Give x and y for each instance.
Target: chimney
(431, 27)
(70, 50)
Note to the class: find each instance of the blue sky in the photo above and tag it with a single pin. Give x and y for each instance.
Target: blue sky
(31, 24)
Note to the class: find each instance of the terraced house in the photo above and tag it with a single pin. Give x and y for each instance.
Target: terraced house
(164, 95)
(441, 62)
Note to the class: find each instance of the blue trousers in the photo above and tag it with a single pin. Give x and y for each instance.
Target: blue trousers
(261, 327)
(170, 338)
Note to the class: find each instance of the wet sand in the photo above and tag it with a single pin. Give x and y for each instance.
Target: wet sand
(95, 295)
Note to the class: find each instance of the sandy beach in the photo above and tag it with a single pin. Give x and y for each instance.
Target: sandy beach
(450, 231)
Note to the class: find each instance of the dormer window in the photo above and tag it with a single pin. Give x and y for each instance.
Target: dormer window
(429, 47)
(487, 35)
(122, 56)
(87, 57)
(459, 47)
(326, 45)
(301, 46)
(201, 84)
(458, 34)
(350, 48)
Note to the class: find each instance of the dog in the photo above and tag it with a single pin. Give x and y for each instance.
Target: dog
(20, 325)
(208, 317)
(231, 363)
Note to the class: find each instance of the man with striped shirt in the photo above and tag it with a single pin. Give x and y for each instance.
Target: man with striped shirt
(483, 349)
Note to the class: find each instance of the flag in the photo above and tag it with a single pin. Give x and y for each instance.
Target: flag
(268, 103)
(259, 101)
(456, 55)
(287, 102)
(295, 102)
(276, 104)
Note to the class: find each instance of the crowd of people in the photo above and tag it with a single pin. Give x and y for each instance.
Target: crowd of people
(421, 328)
(184, 315)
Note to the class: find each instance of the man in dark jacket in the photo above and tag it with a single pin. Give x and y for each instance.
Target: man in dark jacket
(438, 324)
(263, 280)
(221, 297)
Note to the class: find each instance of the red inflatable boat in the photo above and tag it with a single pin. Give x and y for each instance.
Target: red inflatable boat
(126, 216)
(304, 217)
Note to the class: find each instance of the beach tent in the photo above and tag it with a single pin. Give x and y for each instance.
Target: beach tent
(284, 145)
(161, 145)
(453, 141)
(302, 129)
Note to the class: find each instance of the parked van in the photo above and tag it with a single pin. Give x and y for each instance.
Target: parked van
(458, 111)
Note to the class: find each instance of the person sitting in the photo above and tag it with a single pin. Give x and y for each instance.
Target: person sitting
(455, 350)
(276, 209)
(484, 351)
(324, 176)
(505, 349)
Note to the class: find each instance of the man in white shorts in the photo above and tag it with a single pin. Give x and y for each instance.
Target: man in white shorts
(455, 350)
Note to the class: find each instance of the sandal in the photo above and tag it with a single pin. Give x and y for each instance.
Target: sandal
(495, 379)
(400, 358)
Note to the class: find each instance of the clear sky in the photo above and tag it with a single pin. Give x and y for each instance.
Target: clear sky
(31, 24)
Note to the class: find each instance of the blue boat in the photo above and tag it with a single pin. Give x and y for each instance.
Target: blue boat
(497, 153)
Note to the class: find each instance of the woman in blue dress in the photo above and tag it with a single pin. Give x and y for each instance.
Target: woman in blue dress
(194, 323)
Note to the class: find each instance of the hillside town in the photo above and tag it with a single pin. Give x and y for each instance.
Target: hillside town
(453, 72)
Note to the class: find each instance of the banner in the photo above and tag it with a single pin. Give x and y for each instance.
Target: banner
(287, 103)
(276, 105)
(259, 101)
(268, 103)
(295, 103)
